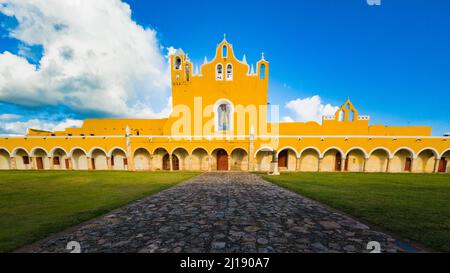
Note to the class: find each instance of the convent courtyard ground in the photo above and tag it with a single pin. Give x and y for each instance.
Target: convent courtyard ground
(223, 212)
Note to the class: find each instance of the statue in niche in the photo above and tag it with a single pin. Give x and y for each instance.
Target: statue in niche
(224, 117)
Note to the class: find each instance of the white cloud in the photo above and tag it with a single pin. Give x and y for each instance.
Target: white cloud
(308, 109)
(9, 116)
(95, 59)
(21, 127)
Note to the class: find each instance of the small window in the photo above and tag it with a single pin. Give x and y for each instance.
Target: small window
(229, 72)
(56, 161)
(188, 72)
(224, 51)
(177, 63)
(137, 132)
(262, 72)
(26, 160)
(219, 72)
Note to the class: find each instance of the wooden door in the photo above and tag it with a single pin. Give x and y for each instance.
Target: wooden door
(283, 159)
(39, 163)
(442, 165)
(166, 162)
(93, 163)
(346, 164)
(222, 160)
(67, 163)
(408, 164)
(175, 163)
(337, 164)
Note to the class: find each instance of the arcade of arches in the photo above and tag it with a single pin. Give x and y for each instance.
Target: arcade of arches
(309, 159)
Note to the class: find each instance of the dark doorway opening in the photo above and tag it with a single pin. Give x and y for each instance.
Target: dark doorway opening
(222, 160)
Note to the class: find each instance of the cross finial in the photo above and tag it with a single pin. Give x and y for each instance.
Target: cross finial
(262, 55)
(224, 36)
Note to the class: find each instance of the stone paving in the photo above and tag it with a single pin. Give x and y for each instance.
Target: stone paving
(223, 212)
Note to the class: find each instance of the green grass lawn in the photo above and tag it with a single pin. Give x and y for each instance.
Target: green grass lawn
(414, 206)
(34, 204)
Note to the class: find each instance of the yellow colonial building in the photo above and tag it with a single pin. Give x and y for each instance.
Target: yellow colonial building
(220, 122)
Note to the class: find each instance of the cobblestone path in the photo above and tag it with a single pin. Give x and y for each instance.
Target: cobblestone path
(223, 212)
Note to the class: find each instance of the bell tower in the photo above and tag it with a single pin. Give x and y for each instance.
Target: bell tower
(181, 68)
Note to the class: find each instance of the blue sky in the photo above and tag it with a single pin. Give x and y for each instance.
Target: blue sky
(393, 60)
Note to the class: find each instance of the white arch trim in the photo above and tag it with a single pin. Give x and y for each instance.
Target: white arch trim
(332, 148)
(310, 148)
(199, 148)
(289, 148)
(4, 149)
(264, 149)
(77, 148)
(366, 155)
(14, 152)
(143, 148)
(216, 116)
(179, 147)
(39, 148)
(97, 148)
(157, 148)
(435, 152)
(114, 149)
(443, 153)
(381, 148)
(52, 151)
(239, 148)
(413, 154)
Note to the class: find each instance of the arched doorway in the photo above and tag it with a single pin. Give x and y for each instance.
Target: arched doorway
(354, 161)
(287, 160)
(309, 160)
(425, 161)
(4, 159)
(239, 160)
(41, 157)
(175, 163)
(444, 163)
(378, 160)
(142, 159)
(402, 160)
(200, 160)
(332, 161)
(222, 160)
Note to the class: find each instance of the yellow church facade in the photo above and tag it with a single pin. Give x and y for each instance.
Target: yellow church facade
(220, 122)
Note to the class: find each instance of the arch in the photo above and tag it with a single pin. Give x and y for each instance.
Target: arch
(332, 148)
(444, 152)
(239, 159)
(59, 158)
(262, 71)
(223, 123)
(309, 159)
(289, 148)
(332, 162)
(264, 149)
(143, 148)
(97, 148)
(182, 155)
(224, 51)
(158, 155)
(238, 148)
(33, 151)
(263, 159)
(5, 159)
(116, 148)
(199, 159)
(411, 151)
(118, 159)
(219, 71)
(435, 152)
(381, 148)
(378, 160)
(17, 149)
(40, 156)
(79, 158)
(22, 157)
(310, 148)
(287, 159)
(401, 161)
(52, 151)
(426, 160)
(141, 159)
(366, 155)
(220, 159)
(177, 62)
(229, 72)
(6, 150)
(99, 160)
(75, 149)
(355, 160)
